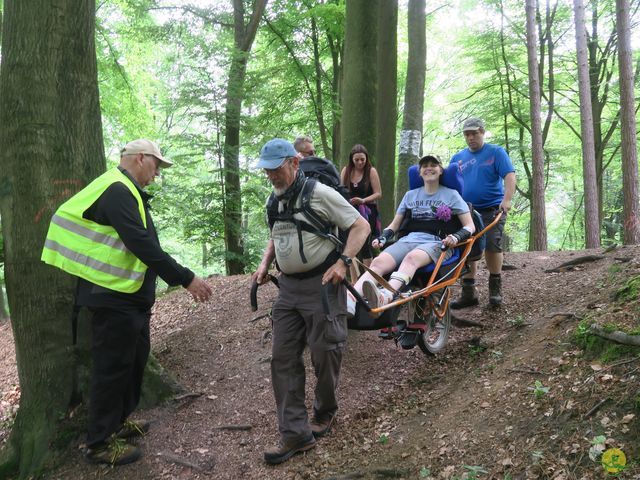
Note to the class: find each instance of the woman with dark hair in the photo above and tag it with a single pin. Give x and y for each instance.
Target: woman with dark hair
(363, 182)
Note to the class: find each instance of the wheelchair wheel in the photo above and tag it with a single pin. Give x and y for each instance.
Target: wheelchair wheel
(436, 333)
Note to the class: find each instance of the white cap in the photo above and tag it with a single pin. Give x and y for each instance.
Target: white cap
(146, 147)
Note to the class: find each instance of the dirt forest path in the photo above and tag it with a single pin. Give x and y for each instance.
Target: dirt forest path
(469, 411)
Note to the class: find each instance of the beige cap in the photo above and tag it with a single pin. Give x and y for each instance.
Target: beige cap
(473, 124)
(146, 147)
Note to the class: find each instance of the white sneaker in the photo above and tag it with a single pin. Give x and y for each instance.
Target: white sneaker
(376, 296)
(351, 304)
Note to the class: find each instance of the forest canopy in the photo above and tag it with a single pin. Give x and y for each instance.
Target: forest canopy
(164, 68)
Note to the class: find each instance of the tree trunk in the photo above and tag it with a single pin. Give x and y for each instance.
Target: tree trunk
(601, 61)
(591, 230)
(322, 128)
(359, 123)
(538, 231)
(411, 134)
(50, 147)
(387, 106)
(335, 47)
(628, 124)
(243, 40)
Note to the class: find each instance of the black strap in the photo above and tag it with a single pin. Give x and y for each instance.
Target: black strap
(323, 267)
(488, 209)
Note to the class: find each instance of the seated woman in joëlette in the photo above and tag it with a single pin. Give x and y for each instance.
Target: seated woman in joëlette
(435, 215)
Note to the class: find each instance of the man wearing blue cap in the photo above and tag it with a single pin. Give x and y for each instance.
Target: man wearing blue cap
(309, 263)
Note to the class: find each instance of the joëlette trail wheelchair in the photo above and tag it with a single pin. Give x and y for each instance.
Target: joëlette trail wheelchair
(421, 316)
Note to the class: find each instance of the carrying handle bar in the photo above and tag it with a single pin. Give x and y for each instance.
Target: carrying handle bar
(253, 295)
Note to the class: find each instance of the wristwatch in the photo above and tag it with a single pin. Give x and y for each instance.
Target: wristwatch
(348, 261)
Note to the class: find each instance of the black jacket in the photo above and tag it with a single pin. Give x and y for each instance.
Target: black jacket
(119, 208)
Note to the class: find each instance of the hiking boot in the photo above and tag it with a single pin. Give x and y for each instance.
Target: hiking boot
(131, 429)
(285, 450)
(113, 452)
(375, 297)
(495, 289)
(468, 297)
(320, 428)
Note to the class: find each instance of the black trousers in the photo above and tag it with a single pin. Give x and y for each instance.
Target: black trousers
(120, 349)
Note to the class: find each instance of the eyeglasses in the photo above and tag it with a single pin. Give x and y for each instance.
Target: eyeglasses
(276, 170)
(156, 160)
(308, 153)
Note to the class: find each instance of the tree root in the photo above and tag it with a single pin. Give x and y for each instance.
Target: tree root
(616, 336)
(567, 266)
(376, 473)
(170, 457)
(234, 427)
(464, 322)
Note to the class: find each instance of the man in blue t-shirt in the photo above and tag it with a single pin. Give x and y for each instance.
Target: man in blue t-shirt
(489, 185)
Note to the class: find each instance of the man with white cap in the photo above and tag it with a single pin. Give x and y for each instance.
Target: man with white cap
(489, 185)
(309, 263)
(105, 236)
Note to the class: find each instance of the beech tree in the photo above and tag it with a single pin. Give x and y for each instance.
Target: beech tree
(591, 216)
(50, 147)
(411, 133)
(538, 231)
(359, 122)
(387, 109)
(243, 33)
(631, 232)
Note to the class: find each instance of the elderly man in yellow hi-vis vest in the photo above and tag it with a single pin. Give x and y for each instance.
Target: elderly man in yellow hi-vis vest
(105, 236)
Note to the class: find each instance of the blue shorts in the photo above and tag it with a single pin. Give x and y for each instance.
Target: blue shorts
(400, 249)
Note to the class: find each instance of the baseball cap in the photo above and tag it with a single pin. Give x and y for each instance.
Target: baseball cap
(146, 147)
(472, 124)
(430, 158)
(275, 152)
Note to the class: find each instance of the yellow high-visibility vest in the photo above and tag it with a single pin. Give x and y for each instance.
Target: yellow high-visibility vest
(89, 250)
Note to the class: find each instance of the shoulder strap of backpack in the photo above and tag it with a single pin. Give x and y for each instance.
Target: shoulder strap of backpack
(305, 206)
(322, 227)
(272, 210)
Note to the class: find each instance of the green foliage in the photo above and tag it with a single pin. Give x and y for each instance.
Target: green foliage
(630, 292)
(281, 88)
(474, 471)
(539, 390)
(614, 271)
(475, 349)
(597, 347)
(383, 439)
(163, 72)
(516, 322)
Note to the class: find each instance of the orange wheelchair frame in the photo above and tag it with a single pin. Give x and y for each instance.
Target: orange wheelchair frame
(420, 316)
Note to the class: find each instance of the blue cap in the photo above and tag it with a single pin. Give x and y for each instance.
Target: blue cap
(275, 152)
